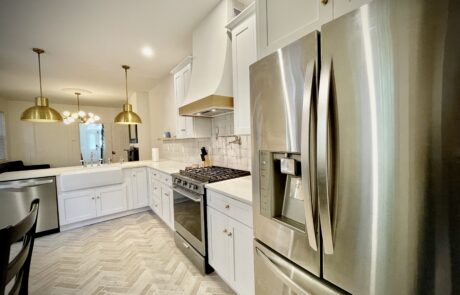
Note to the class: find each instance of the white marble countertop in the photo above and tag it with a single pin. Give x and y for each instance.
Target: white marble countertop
(238, 188)
(166, 166)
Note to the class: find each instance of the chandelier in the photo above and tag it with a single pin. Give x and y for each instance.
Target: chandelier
(79, 116)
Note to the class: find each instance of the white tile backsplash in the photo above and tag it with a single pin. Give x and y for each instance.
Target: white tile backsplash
(222, 152)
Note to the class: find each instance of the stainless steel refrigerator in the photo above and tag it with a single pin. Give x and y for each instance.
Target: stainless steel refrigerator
(356, 150)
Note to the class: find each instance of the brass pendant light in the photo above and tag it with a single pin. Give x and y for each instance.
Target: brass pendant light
(127, 116)
(41, 112)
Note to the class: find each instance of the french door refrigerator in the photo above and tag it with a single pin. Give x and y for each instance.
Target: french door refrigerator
(356, 145)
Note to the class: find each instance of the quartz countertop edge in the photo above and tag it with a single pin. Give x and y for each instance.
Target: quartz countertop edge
(239, 189)
(165, 166)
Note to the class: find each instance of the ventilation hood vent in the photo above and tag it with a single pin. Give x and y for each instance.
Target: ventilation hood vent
(210, 92)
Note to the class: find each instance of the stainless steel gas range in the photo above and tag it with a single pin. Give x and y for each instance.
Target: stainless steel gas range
(190, 210)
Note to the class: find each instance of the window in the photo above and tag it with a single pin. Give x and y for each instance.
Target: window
(2, 137)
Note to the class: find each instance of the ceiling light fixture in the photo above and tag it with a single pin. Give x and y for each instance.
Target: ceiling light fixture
(80, 116)
(41, 112)
(147, 51)
(127, 116)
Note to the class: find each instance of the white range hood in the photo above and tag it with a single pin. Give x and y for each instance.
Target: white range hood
(210, 92)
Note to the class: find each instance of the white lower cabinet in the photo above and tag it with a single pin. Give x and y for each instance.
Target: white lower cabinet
(137, 185)
(161, 194)
(111, 200)
(86, 204)
(230, 246)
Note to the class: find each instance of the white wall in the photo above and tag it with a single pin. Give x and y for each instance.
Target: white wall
(162, 110)
(57, 144)
(141, 105)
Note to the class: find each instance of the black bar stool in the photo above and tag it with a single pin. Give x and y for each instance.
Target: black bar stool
(18, 269)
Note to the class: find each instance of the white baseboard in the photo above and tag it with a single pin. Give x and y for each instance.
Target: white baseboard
(102, 218)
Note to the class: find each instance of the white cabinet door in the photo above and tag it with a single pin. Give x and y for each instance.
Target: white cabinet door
(128, 176)
(188, 127)
(78, 206)
(179, 93)
(157, 206)
(242, 256)
(218, 242)
(342, 7)
(244, 53)
(139, 188)
(165, 208)
(282, 22)
(111, 200)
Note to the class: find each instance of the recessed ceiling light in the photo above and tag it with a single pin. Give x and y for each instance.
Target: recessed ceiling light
(147, 51)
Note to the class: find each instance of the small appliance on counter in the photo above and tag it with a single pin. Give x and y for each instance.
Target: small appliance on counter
(133, 153)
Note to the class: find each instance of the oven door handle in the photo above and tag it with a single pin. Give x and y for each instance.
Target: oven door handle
(189, 195)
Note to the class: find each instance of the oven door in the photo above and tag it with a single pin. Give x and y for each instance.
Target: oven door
(189, 218)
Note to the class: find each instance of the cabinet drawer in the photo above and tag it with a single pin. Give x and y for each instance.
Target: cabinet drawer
(156, 188)
(166, 179)
(155, 175)
(162, 177)
(233, 208)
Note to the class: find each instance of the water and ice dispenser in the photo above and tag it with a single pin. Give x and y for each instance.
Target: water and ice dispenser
(281, 195)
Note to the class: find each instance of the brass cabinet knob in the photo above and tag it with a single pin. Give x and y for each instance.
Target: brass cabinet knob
(324, 2)
(229, 234)
(225, 231)
(227, 206)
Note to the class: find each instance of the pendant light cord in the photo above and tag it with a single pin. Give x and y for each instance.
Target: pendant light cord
(126, 83)
(40, 73)
(78, 101)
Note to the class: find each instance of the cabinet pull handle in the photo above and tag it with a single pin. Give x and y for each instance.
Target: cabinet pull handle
(225, 231)
(324, 2)
(167, 194)
(227, 206)
(92, 198)
(229, 234)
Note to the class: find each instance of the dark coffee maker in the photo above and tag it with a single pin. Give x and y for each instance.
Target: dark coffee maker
(133, 154)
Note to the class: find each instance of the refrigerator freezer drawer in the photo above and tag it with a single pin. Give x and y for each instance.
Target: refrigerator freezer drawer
(277, 275)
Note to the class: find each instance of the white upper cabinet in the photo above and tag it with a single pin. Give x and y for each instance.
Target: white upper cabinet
(187, 127)
(244, 53)
(280, 23)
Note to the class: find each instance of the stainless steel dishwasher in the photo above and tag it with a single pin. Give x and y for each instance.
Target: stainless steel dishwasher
(15, 199)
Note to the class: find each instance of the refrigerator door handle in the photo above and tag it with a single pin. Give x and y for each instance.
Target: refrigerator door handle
(307, 147)
(323, 156)
(280, 274)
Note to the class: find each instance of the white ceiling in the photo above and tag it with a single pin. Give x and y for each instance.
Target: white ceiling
(87, 41)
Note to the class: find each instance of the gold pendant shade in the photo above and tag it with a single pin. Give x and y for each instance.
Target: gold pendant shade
(41, 112)
(127, 116)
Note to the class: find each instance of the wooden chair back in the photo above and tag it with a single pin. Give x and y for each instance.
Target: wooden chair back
(18, 268)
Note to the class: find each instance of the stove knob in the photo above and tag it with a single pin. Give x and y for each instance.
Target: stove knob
(195, 187)
(184, 183)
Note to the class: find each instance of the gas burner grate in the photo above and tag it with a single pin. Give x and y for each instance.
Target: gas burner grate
(213, 174)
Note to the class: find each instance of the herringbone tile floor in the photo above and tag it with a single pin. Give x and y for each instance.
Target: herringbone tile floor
(130, 255)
